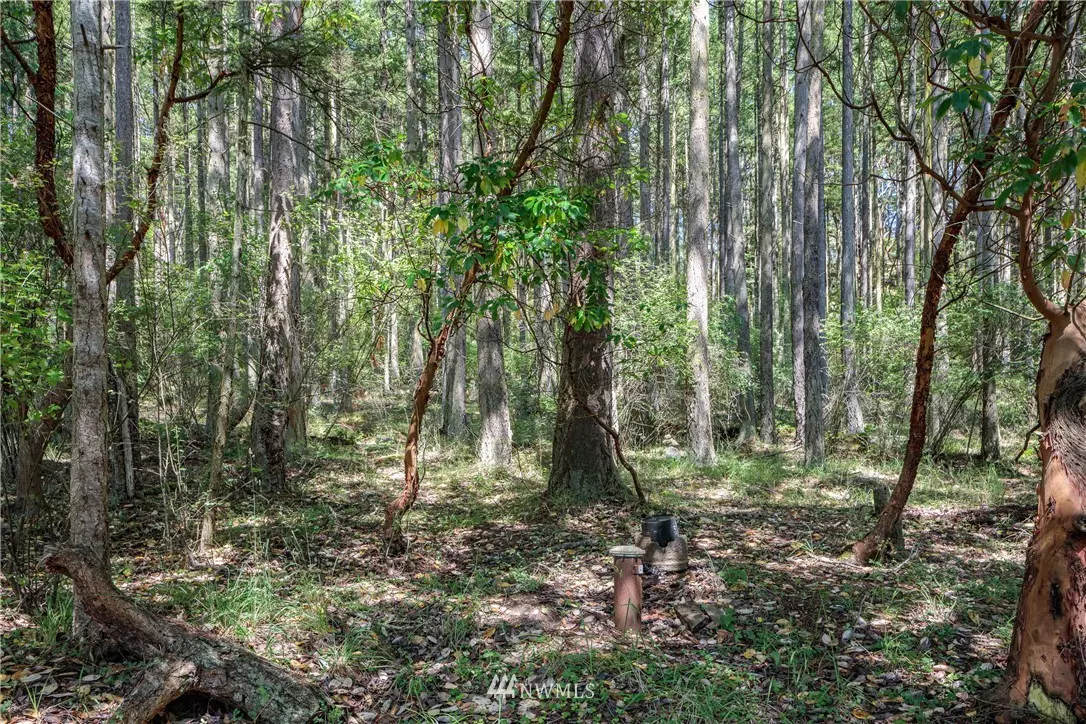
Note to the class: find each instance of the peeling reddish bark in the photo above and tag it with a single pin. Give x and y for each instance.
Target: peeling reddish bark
(1046, 668)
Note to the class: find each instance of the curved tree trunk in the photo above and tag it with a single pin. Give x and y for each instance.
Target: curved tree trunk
(1048, 648)
(184, 660)
(974, 185)
(391, 533)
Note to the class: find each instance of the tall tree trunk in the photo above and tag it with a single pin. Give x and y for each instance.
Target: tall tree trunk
(784, 175)
(545, 362)
(200, 225)
(644, 138)
(854, 417)
(260, 204)
(217, 202)
(767, 175)
(228, 349)
(699, 416)
(910, 181)
(724, 283)
(663, 238)
(188, 224)
(801, 141)
(496, 434)
(124, 125)
(814, 257)
(301, 270)
(583, 466)
(987, 356)
(414, 147)
(87, 518)
(735, 262)
(279, 337)
(454, 408)
(866, 229)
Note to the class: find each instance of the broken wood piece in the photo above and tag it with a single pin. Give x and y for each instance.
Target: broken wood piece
(716, 613)
(184, 660)
(692, 615)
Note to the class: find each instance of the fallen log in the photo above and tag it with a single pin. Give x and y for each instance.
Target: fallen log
(183, 660)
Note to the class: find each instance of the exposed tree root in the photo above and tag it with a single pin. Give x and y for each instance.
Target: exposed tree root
(184, 661)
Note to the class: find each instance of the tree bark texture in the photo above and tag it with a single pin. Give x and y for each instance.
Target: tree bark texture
(87, 518)
(854, 417)
(735, 263)
(582, 462)
(125, 134)
(699, 415)
(454, 393)
(276, 383)
(801, 141)
(766, 230)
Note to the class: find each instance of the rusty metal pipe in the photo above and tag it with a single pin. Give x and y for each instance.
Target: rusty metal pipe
(628, 571)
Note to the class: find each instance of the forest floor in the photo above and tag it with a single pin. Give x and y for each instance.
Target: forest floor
(497, 584)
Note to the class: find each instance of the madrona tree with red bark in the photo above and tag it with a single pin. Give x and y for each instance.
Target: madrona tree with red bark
(482, 233)
(1032, 153)
(1029, 71)
(1046, 667)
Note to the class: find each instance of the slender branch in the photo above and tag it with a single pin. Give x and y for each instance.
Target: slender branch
(30, 74)
(153, 171)
(997, 24)
(1011, 312)
(558, 55)
(223, 75)
(1025, 443)
(1034, 128)
(618, 450)
(1047, 308)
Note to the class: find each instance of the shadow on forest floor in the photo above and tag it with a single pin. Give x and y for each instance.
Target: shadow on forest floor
(496, 583)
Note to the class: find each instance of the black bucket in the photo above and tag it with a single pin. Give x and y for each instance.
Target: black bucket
(661, 529)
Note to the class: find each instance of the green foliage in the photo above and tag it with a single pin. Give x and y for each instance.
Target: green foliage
(33, 314)
(526, 237)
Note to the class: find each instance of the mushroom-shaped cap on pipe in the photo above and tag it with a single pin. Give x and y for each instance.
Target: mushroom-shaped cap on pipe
(627, 552)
